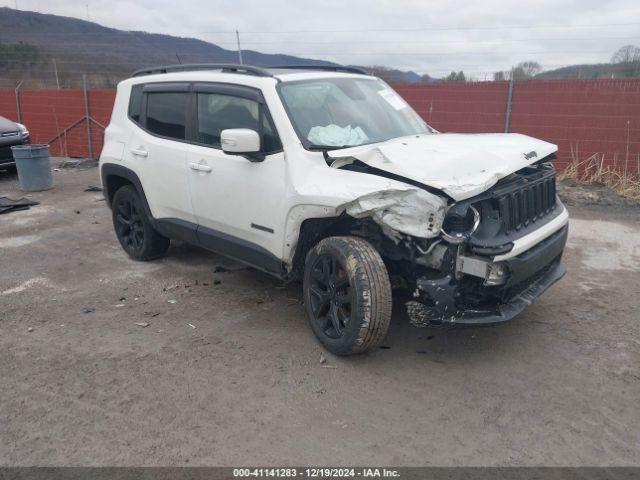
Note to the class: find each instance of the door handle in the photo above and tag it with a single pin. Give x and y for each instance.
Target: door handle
(199, 167)
(140, 152)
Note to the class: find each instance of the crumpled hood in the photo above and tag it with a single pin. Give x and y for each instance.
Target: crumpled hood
(461, 165)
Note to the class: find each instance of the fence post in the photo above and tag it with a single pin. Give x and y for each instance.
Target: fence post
(509, 100)
(87, 115)
(17, 92)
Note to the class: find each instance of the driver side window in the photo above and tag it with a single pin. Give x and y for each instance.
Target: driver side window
(217, 112)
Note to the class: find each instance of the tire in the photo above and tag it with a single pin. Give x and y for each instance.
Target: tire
(347, 295)
(133, 227)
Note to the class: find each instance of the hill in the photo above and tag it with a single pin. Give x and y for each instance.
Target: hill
(33, 46)
(596, 70)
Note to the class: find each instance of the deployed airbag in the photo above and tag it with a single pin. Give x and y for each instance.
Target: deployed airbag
(336, 136)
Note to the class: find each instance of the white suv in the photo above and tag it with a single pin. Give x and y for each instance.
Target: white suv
(326, 175)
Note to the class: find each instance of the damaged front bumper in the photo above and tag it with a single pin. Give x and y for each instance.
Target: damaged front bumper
(466, 298)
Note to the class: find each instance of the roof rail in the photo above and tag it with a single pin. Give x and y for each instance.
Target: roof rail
(329, 68)
(188, 67)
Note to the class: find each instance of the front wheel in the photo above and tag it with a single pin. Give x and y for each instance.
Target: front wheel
(347, 295)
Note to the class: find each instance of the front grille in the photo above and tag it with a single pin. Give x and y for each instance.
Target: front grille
(529, 202)
(6, 154)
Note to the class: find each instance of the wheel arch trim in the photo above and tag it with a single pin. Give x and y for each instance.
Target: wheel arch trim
(109, 171)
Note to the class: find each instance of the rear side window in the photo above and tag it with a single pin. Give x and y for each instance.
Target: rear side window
(135, 103)
(166, 114)
(218, 112)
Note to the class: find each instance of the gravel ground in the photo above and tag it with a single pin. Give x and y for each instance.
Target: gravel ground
(227, 371)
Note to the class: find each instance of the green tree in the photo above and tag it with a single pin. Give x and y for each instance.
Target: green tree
(456, 77)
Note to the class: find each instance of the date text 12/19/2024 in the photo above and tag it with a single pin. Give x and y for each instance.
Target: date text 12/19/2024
(315, 472)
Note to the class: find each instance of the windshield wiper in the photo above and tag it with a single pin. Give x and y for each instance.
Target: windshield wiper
(325, 148)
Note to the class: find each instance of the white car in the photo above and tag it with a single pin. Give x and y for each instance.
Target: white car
(328, 176)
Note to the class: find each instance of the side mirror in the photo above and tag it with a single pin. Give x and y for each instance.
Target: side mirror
(241, 141)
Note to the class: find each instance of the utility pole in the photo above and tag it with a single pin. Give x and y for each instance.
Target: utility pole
(87, 5)
(239, 49)
(507, 119)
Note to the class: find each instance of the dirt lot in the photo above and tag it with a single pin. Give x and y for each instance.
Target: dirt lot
(557, 386)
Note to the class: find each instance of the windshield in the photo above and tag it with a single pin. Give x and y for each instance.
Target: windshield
(340, 112)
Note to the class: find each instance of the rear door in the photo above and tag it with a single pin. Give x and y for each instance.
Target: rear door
(238, 203)
(158, 150)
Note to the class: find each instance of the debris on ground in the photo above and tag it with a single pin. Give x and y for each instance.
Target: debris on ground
(70, 163)
(191, 325)
(7, 205)
(88, 309)
(266, 298)
(172, 301)
(93, 188)
(143, 324)
(30, 329)
(215, 282)
(78, 163)
(228, 265)
(322, 359)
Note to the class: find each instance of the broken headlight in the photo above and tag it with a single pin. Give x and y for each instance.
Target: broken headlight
(460, 222)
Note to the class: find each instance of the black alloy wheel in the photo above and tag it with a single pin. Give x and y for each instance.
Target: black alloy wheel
(330, 296)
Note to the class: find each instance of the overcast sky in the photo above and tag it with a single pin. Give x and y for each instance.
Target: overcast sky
(432, 37)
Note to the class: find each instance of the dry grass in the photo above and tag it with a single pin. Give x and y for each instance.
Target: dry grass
(622, 177)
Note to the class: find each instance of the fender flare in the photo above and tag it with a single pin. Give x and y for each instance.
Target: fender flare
(109, 170)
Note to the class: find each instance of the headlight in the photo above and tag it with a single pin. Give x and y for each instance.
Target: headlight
(460, 222)
(23, 130)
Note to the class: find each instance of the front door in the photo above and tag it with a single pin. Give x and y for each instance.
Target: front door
(237, 203)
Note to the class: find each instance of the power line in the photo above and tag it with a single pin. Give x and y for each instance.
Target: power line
(171, 33)
(421, 29)
(328, 53)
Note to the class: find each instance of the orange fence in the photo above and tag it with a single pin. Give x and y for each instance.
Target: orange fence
(584, 117)
(57, 117)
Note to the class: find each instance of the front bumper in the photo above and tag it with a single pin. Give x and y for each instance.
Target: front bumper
(6, 155)
(506, 311)
(445, 301)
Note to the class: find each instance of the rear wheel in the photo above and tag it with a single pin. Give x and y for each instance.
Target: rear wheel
(133, 227)
(347, 295)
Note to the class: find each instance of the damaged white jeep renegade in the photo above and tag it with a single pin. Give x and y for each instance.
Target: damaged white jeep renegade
(326, 175)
